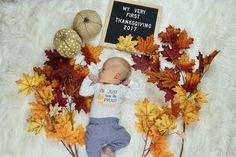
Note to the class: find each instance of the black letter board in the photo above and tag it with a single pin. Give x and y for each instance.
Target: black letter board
(130, 17)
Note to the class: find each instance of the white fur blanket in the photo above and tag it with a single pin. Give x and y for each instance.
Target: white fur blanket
(27, 28)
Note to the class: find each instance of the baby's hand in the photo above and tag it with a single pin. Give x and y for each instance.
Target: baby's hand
(93, 78)
(126, 82)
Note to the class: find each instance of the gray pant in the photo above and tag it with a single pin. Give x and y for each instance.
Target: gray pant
(105, 131)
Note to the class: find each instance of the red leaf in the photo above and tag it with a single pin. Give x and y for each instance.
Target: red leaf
(171, 53)
(58, 98)
(169, 93)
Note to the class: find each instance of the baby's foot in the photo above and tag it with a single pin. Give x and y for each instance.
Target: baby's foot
(108, 151)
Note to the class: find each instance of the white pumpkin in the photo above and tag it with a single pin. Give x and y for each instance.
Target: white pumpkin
(67, 42)
(87, 23)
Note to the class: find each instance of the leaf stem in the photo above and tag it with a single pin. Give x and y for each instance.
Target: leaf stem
(182, 146)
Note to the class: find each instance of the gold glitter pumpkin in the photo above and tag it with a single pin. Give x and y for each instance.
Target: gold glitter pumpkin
(67, 42)
(87, 23)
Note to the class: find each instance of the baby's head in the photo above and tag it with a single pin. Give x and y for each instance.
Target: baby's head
(115, 70)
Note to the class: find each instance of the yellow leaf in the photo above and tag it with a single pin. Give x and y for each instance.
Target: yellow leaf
(28, 83)
(126, 43)
(165, 124)
(54, 110)
(190, 114)
(180, 96)
(36, 124)
(44, 94)
(199, 97)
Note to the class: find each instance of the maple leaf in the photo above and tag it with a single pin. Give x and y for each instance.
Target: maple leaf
(169, 93)
(55, 59)
(191, 81)
(39, 109)
(35, 124)
(203, 62)
(126, 43)
(91, 53)
(171, 54)
(29, 83)
(184, 63)
(58, 98)
(180, 96)
(174, 109)
(62, 71)
(159, 146)
(170, 35)
(165, 124)
(190, 114)
(153, 77)
(44, 94)
(54, 110)
(199, 97)
(183, 41)
(168, 78)
(146, 46)
(141, 62)
(83, 103)
(47, 71)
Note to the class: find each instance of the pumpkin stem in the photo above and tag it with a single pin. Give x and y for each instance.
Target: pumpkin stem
(86, 20)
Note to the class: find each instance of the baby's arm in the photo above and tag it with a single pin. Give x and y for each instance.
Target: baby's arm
(132, 91)
(87, 87)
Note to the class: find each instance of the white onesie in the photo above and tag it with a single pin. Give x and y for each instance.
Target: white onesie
(108, 97)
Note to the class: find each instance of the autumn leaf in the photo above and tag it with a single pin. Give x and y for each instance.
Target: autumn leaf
(190, 114)
(91, 53)
(29, 83)
(168, 78)
(55, 59)
(58, 98)
(171, 53)
(39, 109)
(141, 62)
(83, 103)
(35, 124)
(199, 97)
(191, 81)
(184, 63)
(44, 94)
(159, 146)
(165, 124)
(169, 92)
(180, 96)
(54, 110)
(183, 41)
(206, 61)
(170, 35)
(126, 43)
(152, 76)
(146, 46)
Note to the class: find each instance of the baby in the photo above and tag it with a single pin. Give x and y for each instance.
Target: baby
(103, 132)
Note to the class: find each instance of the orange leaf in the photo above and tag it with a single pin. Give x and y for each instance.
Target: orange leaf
(39, 109)
(191, 81)
(91, 53)
(152, 76)
(183, 41)
(168, 78)
(184, 63)
(146, 46)
(170, 35)
(207, 60)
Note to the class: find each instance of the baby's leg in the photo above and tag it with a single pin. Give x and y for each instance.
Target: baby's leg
(120, 139)
(94, 143)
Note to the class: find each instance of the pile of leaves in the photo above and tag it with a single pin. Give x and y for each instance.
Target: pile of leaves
(180, 83)
(55, 87)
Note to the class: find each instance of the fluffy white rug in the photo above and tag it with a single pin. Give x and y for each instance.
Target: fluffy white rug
(27, 29)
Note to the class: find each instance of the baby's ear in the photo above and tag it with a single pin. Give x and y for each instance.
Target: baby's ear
(117, 76)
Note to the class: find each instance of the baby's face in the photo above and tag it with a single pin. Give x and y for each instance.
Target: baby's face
(107, 73)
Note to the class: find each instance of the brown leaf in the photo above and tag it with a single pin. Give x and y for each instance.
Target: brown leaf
(146, 46)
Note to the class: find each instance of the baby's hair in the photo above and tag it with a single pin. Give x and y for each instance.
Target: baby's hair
(126, 68)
